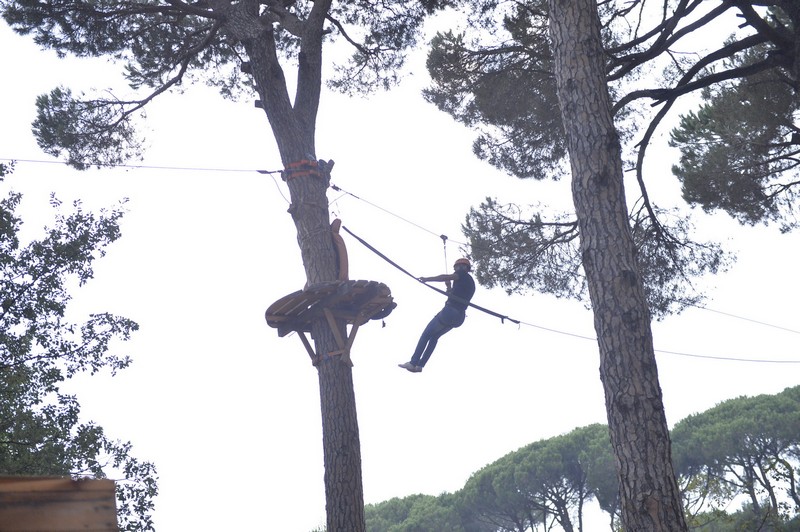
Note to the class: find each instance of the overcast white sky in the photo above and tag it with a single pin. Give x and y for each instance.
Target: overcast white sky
(230, 412)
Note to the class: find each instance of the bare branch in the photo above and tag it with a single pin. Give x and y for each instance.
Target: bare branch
(665, 40)
(358, 46)
(685, 86)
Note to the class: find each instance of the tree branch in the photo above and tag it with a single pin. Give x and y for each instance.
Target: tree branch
(309, 65)
(185, 61)
(358, 46)
(278, 13)
(195, 9)
(665, 40)
(685, 86)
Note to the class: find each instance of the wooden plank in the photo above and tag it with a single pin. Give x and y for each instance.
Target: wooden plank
(364, 296)
(57, 504)
(280, 306)
(308, 347)
(292, 326)
(341, 296)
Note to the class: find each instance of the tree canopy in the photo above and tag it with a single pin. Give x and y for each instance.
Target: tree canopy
(41, 430)
(420, 513)
(497, 77)
(744, 447)
(544, 482)
(739, 149)
(166, 45)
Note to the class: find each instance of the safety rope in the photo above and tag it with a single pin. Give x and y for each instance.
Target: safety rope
(456, 298)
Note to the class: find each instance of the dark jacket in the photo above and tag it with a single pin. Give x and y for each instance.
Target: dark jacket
(462, 291)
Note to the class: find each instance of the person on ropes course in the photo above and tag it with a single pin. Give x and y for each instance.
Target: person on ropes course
(450, 317)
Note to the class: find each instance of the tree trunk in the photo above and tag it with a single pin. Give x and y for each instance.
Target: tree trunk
(650, 499)
(341, 445)
(563, 517)
(294, 128)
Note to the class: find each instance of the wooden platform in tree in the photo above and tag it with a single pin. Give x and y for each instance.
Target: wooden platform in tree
(356, 302)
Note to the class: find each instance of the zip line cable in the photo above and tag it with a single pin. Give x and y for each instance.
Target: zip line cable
(151, 167)
(731, 359)
(279, 189)
(747, 319)
(443, 237)
(519, 322)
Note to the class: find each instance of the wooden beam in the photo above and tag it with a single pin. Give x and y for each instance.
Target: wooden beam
(344, 349)
(311, 353)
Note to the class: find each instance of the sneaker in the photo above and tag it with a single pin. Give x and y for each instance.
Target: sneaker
(410, 367)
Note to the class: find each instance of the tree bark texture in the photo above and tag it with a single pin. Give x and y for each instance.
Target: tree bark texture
(650, 498)
(293, 125)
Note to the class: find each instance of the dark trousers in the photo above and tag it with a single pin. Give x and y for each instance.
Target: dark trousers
(448, 318)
